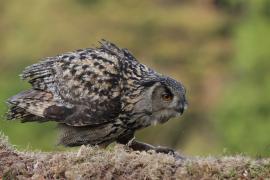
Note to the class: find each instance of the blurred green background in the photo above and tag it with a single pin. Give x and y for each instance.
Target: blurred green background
(220, 49)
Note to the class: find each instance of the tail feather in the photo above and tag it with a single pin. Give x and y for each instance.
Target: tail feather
(16, 112)
(29, 105)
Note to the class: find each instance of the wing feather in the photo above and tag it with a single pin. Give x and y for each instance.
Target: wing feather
(86, 81)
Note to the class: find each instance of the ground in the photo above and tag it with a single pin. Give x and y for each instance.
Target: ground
(122, 163)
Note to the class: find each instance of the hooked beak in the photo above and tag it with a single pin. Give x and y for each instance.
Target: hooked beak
(182, 107)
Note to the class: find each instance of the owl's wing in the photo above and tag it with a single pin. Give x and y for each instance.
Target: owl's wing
(85, 86)
(120, 53)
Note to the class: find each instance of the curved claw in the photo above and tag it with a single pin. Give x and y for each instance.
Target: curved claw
(177, 156)
(169, 151)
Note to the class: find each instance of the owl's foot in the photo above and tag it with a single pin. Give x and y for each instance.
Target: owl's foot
(129, 140)
(166, 150)
(140, 146)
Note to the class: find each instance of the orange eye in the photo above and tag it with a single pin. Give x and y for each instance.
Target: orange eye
(167, 97)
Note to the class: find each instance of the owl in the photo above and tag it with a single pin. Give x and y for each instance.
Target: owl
(98, 96)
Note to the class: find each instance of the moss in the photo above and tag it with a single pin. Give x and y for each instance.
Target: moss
(119, 162)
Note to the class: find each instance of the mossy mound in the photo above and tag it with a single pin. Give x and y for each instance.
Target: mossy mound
(122, 163)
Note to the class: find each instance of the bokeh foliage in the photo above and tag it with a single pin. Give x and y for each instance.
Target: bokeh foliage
(219, 49)
(243, 119)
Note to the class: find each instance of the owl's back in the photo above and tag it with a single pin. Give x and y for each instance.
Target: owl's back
(78, 88)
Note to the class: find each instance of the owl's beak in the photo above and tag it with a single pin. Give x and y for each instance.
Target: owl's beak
(182, 107)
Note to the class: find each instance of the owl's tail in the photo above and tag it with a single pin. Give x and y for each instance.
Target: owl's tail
(29, 105)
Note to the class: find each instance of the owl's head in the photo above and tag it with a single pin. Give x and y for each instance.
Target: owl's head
(164, 98)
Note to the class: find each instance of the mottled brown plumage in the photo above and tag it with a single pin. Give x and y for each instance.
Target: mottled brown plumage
(97, 96)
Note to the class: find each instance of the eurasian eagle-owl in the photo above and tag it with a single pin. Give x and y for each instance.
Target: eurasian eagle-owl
(97, 96)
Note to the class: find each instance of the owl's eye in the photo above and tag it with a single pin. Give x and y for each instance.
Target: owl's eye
(167, 97)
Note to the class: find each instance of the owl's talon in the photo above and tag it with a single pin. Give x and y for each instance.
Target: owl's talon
(177, 156)
(169, 151)
(165, 150)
